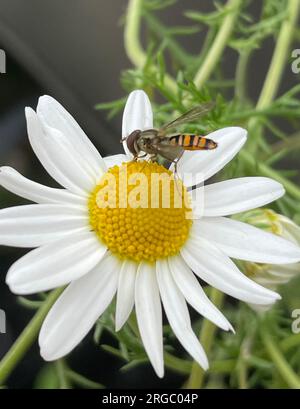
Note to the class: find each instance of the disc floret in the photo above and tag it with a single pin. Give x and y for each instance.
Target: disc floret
(141, 211)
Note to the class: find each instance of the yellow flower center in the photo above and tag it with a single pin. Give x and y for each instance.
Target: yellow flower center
(140, 211)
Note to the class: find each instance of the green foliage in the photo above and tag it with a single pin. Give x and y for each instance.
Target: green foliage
(59, 376)
(129, 348)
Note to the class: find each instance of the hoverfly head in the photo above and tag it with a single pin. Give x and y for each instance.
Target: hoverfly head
(131, 141)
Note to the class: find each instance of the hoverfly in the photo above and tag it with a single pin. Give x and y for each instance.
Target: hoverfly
(170, 146)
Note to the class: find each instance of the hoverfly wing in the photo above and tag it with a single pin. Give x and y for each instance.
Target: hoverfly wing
(189, 116)
(167, 151)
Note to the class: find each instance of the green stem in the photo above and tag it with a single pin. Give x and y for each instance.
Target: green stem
(176, 364)
(291, 143)
(242, 364)
(206, 337)
(219, 44)
(82, 381)
(280, 56)
(279, 59)
(287, 373)
(133, 46)
(241, 76)
(61, 374)
(206, 45)
(27, 337)
(242, 375)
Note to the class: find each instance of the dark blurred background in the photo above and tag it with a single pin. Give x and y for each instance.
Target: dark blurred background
(73, 50)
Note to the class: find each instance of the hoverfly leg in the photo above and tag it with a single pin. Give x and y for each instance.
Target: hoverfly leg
(176, 177)
(137, 157)
(141, 156)
(145, 163)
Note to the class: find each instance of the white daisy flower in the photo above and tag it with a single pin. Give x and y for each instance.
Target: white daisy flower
(144, 256)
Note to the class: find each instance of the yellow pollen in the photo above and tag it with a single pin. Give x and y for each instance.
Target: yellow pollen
(140, 211)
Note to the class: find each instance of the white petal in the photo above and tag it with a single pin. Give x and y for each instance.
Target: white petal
(238, 195)
(204, 164)
(214, 267)
(62, 148)
(35, 225)
(78, 308)
(178, 314)
(194, 294)
(54, 115)
(149, 315)
(125, 295)
(114, 160)
(56, 158)
(242, 241)
(137, 115)
(55, 264)
(13, 181)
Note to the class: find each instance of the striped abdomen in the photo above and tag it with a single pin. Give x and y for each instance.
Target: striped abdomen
(193, 142)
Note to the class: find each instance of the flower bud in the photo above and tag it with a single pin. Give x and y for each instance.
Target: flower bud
(272, 275)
